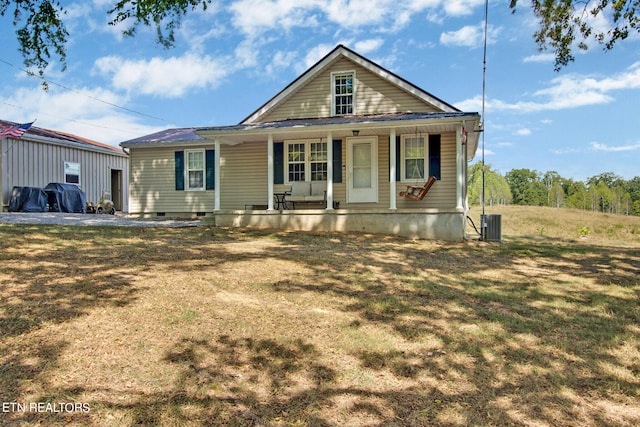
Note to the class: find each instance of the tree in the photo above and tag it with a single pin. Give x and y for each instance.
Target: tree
(42, 33)
(496, 189)
(577, 196)
(551, 179)
(562, 22)
(526, 187)
(557, 195)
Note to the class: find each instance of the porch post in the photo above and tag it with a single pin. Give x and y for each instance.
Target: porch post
(460, 178)
(270, 172)
(392, 169)
(329, 171)
(217, 191)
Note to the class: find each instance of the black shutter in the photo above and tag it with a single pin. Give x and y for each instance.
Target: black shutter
(210, 164)
(434, 156)
(337, 160)
(179, 168)
(278, 162)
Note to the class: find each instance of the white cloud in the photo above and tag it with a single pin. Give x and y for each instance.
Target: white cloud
(314, 55)
(471, 36)
(596, 146)
(86, 112)
(542, 57)
(366, 46)
(563, 151)
(461, 7)
(163, 77)
(281, 61)
(254, 17)
(523, 132)
(565, 92)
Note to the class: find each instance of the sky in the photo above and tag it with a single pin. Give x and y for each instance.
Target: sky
(233, 57)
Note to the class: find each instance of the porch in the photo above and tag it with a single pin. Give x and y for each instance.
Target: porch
(432, 224)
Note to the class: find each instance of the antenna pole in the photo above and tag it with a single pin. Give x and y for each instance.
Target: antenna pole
(483, 226)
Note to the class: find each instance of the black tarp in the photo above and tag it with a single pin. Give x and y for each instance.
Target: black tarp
(28, 199)
(65, 198)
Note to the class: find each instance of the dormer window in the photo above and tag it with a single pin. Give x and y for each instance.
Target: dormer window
(343, 93)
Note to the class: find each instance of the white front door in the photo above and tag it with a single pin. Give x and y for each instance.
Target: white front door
(362, 169)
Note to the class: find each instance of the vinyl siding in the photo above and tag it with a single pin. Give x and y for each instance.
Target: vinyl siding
(244, 175)
(373, 96)
(27, 163)
(441, 196)
(443, 193)
(152, 185)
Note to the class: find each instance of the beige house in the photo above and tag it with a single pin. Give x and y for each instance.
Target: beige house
(332, 151)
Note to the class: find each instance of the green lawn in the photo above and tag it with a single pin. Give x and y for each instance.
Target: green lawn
(209, 326)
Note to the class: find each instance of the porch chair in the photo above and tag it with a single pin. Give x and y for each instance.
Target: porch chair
(417, 192)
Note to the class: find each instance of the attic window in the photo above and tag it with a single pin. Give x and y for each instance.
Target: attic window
(343, 93)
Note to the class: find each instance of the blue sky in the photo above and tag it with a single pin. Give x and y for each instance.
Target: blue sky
(229, 60)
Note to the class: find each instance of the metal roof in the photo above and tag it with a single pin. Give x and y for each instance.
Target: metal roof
(65, 138)
(168, 135)
(194, 134)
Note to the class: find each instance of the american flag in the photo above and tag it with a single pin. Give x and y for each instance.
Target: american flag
(15, 131)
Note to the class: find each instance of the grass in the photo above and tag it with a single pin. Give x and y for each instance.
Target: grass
(209, 326)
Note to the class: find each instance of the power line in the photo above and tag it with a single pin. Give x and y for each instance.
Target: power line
(71, 120)
(30, 74)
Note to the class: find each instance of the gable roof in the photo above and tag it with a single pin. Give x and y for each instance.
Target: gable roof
(343, 52)
(66, 138)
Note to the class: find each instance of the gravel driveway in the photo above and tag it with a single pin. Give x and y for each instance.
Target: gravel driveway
(118, 220)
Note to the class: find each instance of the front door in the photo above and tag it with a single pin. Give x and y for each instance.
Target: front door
(362, 169)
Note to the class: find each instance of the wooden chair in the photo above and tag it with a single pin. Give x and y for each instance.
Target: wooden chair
(417, 192)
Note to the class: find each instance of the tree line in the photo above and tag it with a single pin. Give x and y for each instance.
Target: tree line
(606, 192)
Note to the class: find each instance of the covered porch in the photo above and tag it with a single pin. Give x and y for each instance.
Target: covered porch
(376, 131)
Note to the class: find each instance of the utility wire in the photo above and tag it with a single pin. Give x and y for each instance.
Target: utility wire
(30, 74)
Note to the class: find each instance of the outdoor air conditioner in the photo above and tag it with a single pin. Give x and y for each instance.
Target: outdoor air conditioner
(492, 227)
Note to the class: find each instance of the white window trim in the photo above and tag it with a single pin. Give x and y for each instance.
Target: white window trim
(333, 91)
(403, 172)
(187, 183)
(67, 165)
(307, 161)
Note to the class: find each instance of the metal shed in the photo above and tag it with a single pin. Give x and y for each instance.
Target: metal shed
(41, 156)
